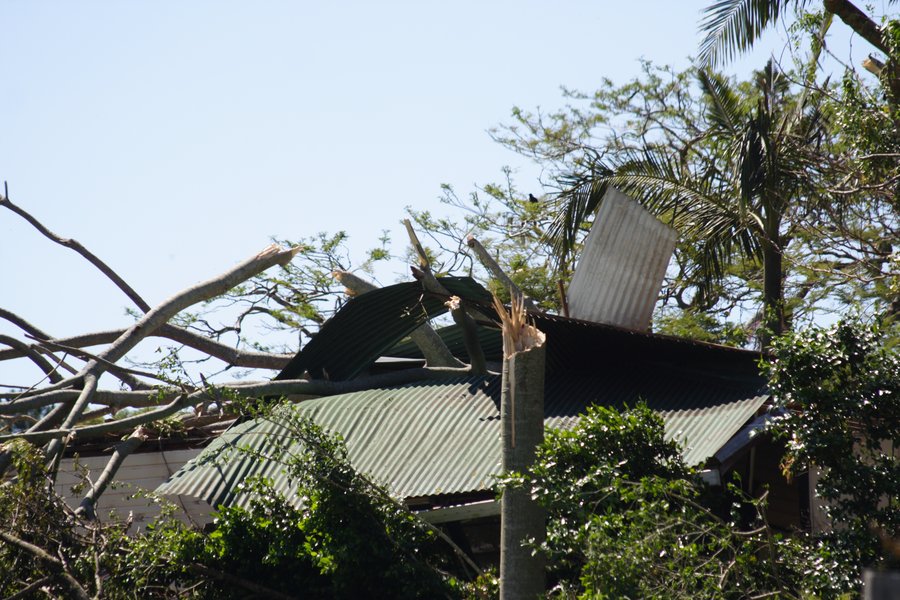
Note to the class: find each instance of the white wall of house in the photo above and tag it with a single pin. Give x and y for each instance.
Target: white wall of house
(139, 474)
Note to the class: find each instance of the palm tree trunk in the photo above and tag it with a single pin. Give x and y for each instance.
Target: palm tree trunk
(522, 430)
(773, 291)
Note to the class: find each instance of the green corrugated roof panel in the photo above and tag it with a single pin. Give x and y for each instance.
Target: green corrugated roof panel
(434, 438)
(490, 340)
(370, 324)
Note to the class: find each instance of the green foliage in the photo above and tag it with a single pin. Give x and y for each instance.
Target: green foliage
(702, 326)
(339, 536)
(841, 390)
(627, 519)
(31, 512)
(510, 226)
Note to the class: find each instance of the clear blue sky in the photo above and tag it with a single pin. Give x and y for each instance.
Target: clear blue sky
(174, 138)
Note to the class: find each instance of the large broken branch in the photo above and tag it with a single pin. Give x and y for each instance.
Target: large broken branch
(859, 22)
(172, 401)
(457, 310)
(77, 247)
(497, 272)
(228, 354)
(428, 341)
(121, 452)
(159, 316)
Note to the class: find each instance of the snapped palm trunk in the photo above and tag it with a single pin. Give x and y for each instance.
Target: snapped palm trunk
(522, 430)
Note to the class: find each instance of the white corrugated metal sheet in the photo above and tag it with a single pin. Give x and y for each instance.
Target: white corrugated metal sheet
(622, 265)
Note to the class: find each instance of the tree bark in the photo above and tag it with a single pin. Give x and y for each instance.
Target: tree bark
(497, 272)
(858, 21)
(774, 323)
(522, 519)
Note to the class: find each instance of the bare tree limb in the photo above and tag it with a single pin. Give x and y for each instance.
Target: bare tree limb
(457, 310)
(21, 323)
(49, 370)
(77, 247)
(429, 342)
(470, 334)
(121, 452)
(155, 318)
(497, 272)
(424, 262)
(858, 21)
(228, 354)
(55, 447)
(176, 402)
(55, 565)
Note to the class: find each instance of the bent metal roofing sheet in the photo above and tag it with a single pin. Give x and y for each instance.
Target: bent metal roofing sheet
(435, 438)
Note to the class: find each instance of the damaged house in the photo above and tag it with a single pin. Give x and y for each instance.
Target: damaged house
(434, 440)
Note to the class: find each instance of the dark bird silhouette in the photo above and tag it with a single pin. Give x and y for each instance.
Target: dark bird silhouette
(531, 198)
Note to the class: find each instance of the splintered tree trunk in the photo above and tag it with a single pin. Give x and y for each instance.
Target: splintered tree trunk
(522, 429)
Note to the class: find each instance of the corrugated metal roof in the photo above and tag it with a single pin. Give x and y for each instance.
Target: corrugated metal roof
(434, 438)
(490, 339)
(622, 264)
(369, 324)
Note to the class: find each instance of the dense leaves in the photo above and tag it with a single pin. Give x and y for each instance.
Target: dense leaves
(840, 387)
(627, 519)
(340, 536)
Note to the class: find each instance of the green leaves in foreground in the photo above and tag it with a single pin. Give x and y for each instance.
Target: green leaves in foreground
(627, 518)
(841, 389)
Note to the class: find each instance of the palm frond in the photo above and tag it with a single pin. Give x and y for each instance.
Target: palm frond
(658, 182)
(732, 26)
(580, 196)
(724, 109)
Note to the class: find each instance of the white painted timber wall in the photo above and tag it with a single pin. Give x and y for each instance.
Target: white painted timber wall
(139, 473)
(622, 265)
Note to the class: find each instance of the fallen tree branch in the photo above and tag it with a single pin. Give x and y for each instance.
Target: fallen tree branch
(497, 272)
(55, 447)
(121, 452)
(157, 317)
(178, 401)
(428, 341)
(470, 334)
(228, 354)
(460, 316)
(21, 323)
(123, 374)
(84, 252)
(52, 562)
(51, 372)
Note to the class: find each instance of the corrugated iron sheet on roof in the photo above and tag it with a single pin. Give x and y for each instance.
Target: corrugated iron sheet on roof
(436, 438)
(370, 324)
